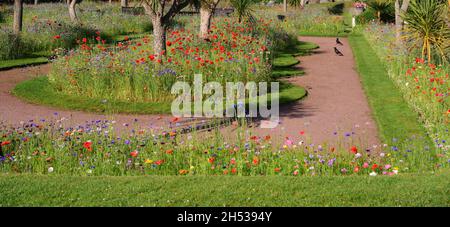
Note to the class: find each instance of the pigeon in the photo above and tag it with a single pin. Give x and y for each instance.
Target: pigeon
(338, 42)
(338, 52)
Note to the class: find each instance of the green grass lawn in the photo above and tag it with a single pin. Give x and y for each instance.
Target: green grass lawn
(9, 64)
(404, 190)
(39, 91)
(393, 115)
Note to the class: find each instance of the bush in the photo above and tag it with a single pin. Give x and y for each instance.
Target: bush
(337, 9)
(367, 16)
(11, 45)
(385, 10)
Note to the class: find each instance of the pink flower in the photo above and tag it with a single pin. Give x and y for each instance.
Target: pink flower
(288, 142)
(387, 166)
(365, 165)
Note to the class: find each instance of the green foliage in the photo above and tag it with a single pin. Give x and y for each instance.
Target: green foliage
(367, 16)
(337, 9)
(295, 3)
(427, 28)
(243, 9)
(44, 22)
(11, 45)
(384, 10)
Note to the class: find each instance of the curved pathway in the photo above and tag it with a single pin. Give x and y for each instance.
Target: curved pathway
(13, 110)
(336, 103)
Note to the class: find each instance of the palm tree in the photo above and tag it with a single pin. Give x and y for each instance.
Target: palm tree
(297, 3)
(427, 27)
(243, 8)
(380, 6)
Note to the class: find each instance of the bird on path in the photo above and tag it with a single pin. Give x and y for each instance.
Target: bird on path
(338, 42)
(338, 52)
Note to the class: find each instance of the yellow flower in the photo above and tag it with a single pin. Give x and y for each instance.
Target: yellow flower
(148, 161)
(192, 167)
(395, 168)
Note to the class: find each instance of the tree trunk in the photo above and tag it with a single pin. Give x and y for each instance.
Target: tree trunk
(398, 18)
(302, 3)
(205, 21)
(18, 12)
(72, 11)
(398, 21)
(36, 2)
(124, 3)
(159, 35)
(285, 6)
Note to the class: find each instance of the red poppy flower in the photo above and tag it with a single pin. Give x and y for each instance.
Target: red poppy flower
(84, 40)
(277, 170)
(211, 160)
(134, 153)
(234, 171)
(302, 133)
(354, 150)
(5, 143)
(88, 145)
(374, 166)
(57, 37)
(255, 161)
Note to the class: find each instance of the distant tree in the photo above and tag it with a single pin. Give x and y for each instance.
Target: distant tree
(124, 3)
(72, 10)
(161, 13)
(18, 15)
(207, 8)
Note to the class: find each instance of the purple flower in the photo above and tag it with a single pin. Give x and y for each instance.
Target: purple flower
(331, 162)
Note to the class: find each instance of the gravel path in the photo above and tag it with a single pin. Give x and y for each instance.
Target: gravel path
(13, 110)
(335, 103)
